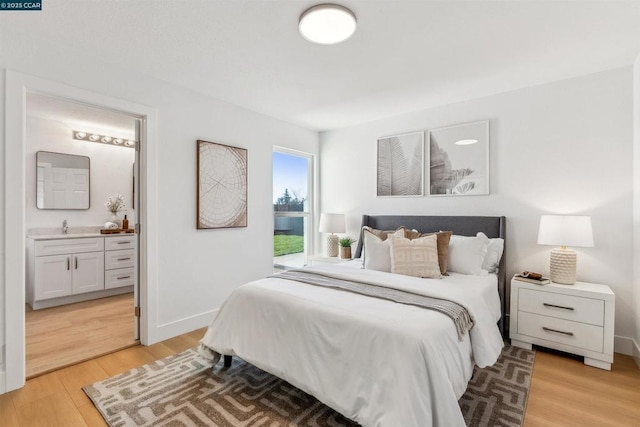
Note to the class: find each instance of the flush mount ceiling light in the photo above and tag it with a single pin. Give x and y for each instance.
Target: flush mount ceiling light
(466, 141)
(327, 24)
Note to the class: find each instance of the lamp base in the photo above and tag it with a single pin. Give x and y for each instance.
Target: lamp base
(332, 245)
(563, 266)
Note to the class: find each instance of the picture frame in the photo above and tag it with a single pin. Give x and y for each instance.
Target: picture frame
(459, 160)
(400, 165)
(222, 186)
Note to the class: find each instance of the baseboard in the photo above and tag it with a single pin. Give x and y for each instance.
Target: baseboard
(72, 299)
(182, 326)
(623, 345)
(636, 352)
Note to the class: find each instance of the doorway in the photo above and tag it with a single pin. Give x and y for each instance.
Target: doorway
(17, 87)
(81, 287)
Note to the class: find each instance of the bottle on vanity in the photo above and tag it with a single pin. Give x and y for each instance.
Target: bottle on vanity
(125, 223)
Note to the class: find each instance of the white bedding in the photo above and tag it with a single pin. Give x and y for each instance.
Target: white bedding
(377, 362)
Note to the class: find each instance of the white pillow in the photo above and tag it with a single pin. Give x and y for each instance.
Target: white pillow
(494, 253)
(466, 254)
(417, 257)
(378, 251)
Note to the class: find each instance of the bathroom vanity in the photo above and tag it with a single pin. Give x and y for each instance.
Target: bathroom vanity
(64, 269)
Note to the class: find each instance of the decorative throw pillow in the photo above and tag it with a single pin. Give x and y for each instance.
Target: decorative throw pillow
(383, 234)
(443, 246)
(378, 251)
(417, 257)
(466, 254)
(494, 254)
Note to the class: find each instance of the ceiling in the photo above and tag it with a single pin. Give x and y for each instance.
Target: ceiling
(81, 117)
(405, 55)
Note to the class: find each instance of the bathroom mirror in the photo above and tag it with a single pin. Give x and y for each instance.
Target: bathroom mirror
(62, 181)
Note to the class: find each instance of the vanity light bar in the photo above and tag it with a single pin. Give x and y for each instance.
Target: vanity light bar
(103, 139)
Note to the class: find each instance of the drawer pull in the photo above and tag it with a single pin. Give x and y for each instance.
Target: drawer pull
(75, 260)
(123, 277)
(123, 243)
(557, 306)
(68, 264)
(557, 331)
(124, 259)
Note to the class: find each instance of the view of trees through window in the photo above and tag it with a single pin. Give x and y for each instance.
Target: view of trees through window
(290, 208)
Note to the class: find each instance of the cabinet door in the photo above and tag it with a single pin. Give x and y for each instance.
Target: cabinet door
(88, 272)
(52, 276)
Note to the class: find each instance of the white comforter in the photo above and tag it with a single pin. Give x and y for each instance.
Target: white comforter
(377, 362)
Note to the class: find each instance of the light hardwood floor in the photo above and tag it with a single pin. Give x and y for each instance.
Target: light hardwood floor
(564, 392)
(60, 336)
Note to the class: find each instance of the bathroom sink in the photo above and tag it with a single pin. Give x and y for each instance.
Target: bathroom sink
(56, 233)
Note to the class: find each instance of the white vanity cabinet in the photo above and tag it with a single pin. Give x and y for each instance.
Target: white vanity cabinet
(119, 258)
(72, 269)
(67, 266)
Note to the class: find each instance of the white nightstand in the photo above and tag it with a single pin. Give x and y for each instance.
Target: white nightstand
(323, 259)
(575, 318)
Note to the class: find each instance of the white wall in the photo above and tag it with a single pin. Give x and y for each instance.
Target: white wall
(636, 206)
(111, 173)
(197, 269)
(564, 147)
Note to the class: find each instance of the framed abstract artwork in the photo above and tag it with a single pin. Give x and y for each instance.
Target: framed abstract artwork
(400, 166)
(459, 160)
(222, 186)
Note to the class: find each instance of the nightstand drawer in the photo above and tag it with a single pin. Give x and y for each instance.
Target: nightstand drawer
(569, 307)
(565, 332)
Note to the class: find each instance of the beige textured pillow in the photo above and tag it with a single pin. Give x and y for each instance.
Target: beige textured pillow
(417, 257)
(377, 250)
(383, 234)
(443, 246)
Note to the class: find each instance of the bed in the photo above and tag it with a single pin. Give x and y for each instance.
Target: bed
(374, 360)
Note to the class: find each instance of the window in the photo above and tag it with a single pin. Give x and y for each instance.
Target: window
(292, 207)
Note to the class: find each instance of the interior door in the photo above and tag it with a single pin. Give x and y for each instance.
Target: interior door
(136, 224)
(66, 187)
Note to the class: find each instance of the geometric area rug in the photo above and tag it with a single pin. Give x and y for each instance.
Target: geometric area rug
(182, 390)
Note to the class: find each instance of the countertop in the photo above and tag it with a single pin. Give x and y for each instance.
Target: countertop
(72, 233)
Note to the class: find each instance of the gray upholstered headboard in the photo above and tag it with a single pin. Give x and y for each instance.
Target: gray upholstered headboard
(492, 226)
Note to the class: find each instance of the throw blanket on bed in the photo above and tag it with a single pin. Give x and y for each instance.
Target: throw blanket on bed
(456, 312)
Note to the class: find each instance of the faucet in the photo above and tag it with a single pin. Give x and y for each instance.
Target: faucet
(64, 227)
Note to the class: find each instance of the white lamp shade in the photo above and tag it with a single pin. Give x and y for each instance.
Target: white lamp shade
(327, 24)
(332, 223)
(565, 230)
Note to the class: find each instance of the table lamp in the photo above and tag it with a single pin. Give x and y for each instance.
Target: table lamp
(332, 223)
(563, 231)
